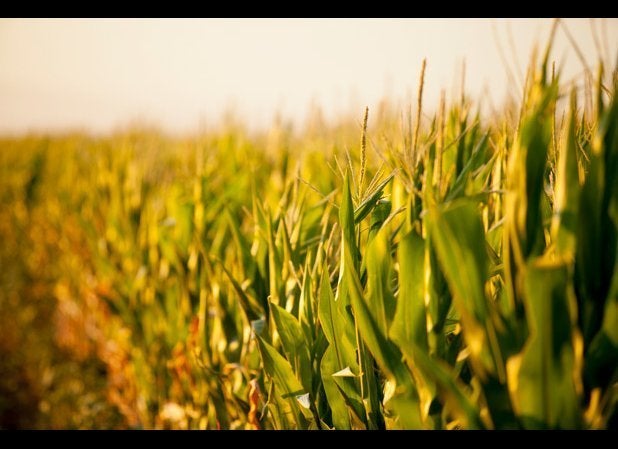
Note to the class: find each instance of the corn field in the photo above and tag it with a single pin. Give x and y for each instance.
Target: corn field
(442, 271)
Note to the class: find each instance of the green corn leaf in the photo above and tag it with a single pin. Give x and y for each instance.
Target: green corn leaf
(524, 232)
(354, 406)
(294, 344)
(597, 232)
(567, 189)
(370, 202)
(249, 305)
(339, 332)
(455, 230)
(475, 162)
(449, 387)
(380, 299)
(546, 390)
(329, 364)
(386, 354)
(378, 217)
(275, 264)
(410, 322)
(287, 386)
(306, 308)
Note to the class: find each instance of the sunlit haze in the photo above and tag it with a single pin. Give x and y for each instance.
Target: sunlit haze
(184, 74)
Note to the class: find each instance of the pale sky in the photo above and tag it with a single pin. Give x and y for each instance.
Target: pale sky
(181, 74)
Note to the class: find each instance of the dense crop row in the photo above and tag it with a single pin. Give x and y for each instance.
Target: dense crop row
(457, 274)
